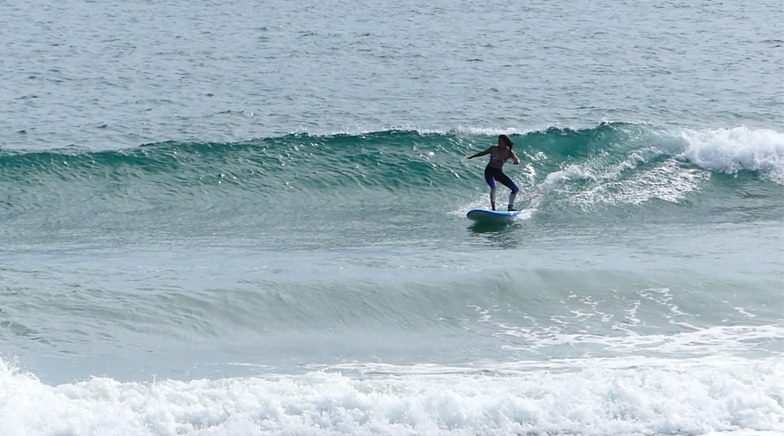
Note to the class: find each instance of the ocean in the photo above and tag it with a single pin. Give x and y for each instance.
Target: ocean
(248, 218)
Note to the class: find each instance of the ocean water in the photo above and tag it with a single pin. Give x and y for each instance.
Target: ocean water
(241, 218)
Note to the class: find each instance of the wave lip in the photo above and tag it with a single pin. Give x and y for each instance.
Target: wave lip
(737, 149)
(728, 150)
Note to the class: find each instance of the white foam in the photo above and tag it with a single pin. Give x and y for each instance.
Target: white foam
(736, 149)
(585, 396)
(693, 342)
(667, 181)
(489, 131)
(723, 150)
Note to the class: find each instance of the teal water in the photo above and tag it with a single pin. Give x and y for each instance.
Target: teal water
(118, 75)
(242, 218)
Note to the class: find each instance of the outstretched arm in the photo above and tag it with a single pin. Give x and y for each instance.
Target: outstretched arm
(481, 153)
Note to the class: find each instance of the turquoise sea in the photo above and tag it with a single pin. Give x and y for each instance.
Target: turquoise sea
(248, 218)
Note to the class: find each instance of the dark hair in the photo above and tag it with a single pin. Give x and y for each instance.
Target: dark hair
(504, 139)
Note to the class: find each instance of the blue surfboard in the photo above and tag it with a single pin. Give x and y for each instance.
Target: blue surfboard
(494, 216)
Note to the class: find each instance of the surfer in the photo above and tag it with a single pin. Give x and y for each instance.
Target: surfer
(495, 168)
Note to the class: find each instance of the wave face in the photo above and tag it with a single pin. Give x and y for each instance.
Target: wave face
(612, 169)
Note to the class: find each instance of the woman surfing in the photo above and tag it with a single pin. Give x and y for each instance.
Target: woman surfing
(494, 171)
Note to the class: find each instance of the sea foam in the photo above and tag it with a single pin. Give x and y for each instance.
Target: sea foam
(737, 149)
(689, 396)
